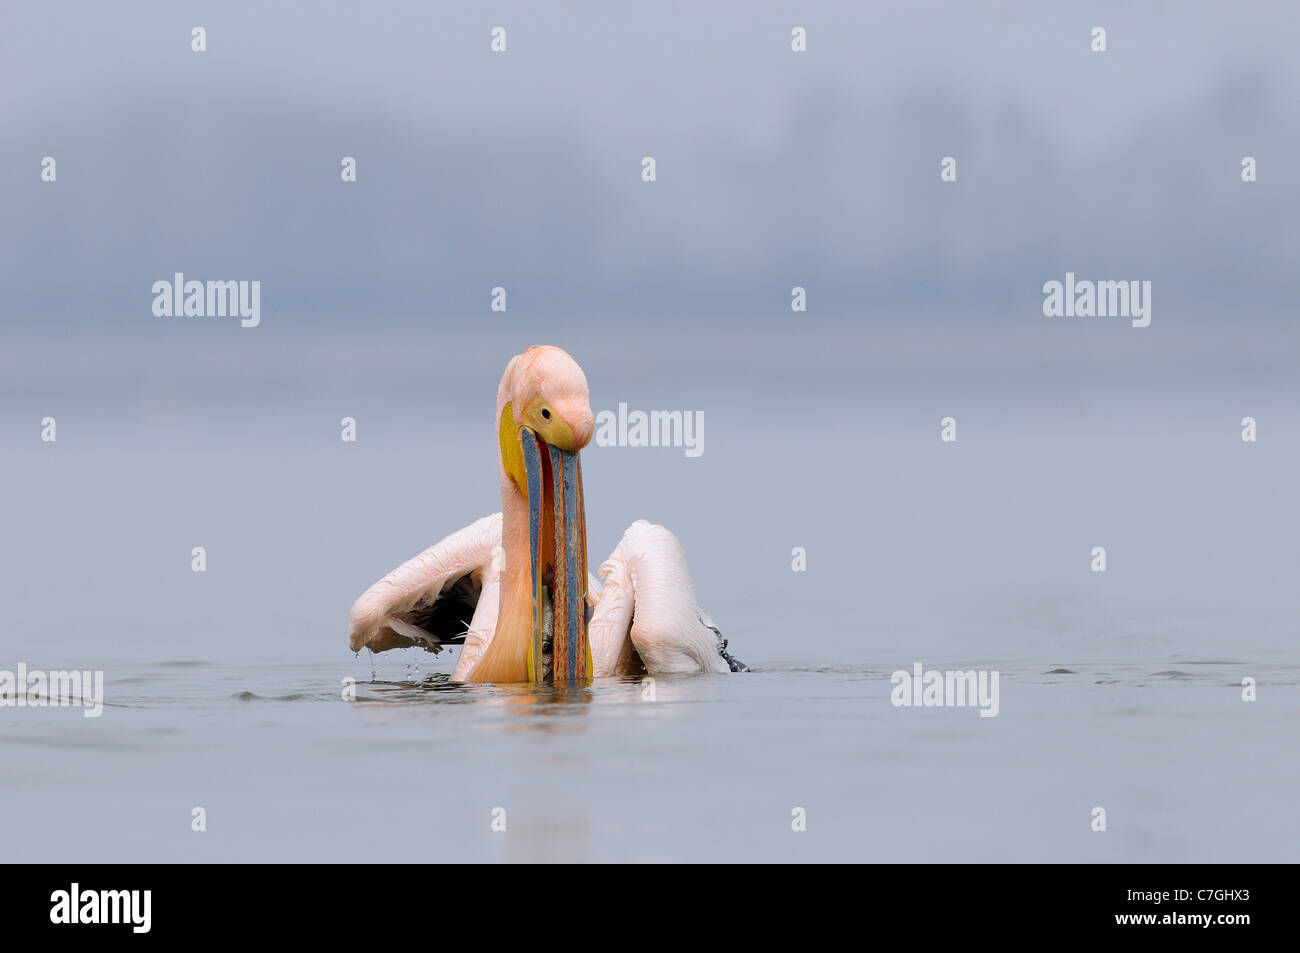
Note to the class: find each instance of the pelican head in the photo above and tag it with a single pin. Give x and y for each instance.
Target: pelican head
(547, 394)
(544, 420)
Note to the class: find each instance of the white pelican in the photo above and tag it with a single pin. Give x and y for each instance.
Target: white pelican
(513, 587)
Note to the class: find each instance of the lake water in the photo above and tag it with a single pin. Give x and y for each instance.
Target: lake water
(224, 689)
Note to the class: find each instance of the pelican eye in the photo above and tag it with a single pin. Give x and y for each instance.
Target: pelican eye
(546, 414)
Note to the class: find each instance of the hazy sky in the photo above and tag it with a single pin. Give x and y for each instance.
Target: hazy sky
(522, 169)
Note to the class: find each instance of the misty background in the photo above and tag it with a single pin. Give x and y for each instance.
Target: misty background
(523, 169)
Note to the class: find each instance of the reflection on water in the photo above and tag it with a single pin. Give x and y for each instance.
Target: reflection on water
(524, 698)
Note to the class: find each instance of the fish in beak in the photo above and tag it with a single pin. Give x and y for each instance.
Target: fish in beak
(557, 532)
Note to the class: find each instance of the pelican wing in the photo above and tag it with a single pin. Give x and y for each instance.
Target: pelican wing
(610, 627)
(436, 598)
(647, 618)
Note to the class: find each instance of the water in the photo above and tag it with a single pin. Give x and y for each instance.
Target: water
(711, 770)
(225, 688)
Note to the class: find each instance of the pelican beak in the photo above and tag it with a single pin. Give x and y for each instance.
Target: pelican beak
(557, 529)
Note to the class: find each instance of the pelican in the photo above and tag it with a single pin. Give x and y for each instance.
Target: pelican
(513, 588)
